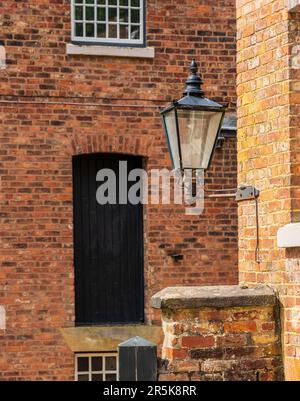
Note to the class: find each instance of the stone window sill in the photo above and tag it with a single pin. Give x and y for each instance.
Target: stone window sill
(111, 51)
(289, 236)
(107, 338)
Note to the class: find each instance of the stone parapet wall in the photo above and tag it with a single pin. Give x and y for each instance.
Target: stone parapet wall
(219, 334)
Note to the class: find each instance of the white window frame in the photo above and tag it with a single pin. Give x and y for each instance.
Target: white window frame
(103, 372)
(110, 41)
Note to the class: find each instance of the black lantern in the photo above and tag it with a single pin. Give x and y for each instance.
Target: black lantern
(192, 126)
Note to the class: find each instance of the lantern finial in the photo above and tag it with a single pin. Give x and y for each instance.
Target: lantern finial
(194, 82)
(194, 66)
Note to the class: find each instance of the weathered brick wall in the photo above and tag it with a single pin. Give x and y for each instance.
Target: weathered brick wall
(54, 106)
(214, 343)
(294, 100)
(35, 38)
(268, 156)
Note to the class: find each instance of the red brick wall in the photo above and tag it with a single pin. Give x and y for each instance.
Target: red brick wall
(221, 344)
(54, 106)
(35, 37)
(268, 155)
(294, 39)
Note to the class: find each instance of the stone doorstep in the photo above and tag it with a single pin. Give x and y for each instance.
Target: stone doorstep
(214, 296)
(107, 338)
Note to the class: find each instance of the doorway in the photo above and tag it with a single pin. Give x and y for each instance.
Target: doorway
(108, 247)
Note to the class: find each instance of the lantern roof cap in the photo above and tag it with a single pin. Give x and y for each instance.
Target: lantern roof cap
(195, 101)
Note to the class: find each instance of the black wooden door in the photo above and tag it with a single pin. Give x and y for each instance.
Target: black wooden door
(108, 247)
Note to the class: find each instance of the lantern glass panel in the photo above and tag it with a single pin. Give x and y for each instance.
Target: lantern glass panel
(198, 130)
(171, 128)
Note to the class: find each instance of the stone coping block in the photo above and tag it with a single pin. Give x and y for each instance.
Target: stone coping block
(213, 296)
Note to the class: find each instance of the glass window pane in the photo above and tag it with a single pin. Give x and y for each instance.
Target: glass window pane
(111, 378)
(123, 2)
(123, 14)
(112, 2)
(135, 16)
(78, 1)
(101, 30)
(135, 32)
(102, 2)
(79, 13)
(89, 1)
(112, 14)
(83, 364)
(96, 363)
(83, 378)
(101, 14)
(89, 30)
(78, 29)
(124, 32)
(112, 31)
(111, 363)
(97, 378)
(135, 3)
(89, 13)
(198, 130)
(170, 121)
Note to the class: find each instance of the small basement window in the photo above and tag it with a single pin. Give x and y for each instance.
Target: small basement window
(119, 22)
(96, 367)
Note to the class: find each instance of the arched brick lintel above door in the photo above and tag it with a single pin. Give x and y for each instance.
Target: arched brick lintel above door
(121, 144)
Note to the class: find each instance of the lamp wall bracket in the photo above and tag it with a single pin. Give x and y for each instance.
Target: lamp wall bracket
(247, 192)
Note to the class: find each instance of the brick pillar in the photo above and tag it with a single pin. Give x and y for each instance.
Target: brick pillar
(219, 333)
(268, 156)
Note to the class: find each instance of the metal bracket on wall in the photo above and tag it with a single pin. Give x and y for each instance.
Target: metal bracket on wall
(247, 192)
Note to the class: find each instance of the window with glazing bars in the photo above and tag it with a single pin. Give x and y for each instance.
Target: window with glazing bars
(108, 21)
(96, 367)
